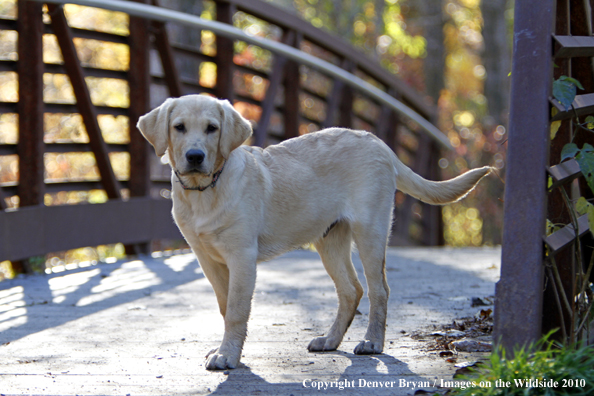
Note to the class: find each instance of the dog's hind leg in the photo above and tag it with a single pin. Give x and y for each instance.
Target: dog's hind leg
(335, 251)
(371, 243)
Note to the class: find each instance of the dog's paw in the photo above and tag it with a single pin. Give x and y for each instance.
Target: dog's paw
(368, 348)
(217, 361)
(321, 344)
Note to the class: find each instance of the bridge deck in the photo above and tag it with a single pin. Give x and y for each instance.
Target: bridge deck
(144, 326)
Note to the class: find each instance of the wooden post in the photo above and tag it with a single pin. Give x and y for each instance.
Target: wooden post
(30, 148)
(292, 89)
(30, 68)
(225, 52)
(139, 81)
(345, 115)
(274, 82)
(519, 293)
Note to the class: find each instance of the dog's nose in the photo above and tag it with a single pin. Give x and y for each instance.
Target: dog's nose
(195, 157)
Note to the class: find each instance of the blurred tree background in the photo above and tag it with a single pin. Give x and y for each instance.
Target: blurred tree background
(457, 52)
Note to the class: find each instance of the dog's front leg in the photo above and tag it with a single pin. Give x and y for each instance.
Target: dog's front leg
(242, 281)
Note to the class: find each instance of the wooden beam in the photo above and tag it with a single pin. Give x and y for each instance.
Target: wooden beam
(564, 173)
(58, 228)
(83, 100)
(574, 46)
(564, 237)
(583, 105)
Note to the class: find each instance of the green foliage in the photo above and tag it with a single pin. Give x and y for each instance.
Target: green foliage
(565, 89)
(570, 368)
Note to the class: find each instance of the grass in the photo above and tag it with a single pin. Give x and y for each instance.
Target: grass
(542, 369)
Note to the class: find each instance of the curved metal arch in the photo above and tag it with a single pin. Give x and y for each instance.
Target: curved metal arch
(167, 15)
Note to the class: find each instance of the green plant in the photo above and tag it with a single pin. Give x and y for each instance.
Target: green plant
(579, 305)
(541, 369)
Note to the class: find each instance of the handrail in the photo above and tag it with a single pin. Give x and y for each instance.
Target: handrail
(167, 15)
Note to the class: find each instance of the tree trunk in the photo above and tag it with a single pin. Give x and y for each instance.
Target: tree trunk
(431, 12)
(497, 60)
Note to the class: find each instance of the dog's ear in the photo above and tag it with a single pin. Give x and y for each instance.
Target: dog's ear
(154, 126)
(234, 131)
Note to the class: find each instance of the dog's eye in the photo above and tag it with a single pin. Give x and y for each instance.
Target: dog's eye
(211, 128)
(180, 127)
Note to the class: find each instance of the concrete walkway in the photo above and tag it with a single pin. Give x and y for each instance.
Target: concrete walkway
(144, 327)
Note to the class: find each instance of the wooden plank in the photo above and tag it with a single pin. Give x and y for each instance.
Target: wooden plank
(564, 173)
(225, 53)
(30, 105)
(519, 292)
(583, 105)
(12, 149)
(564, 237)
(8, 66)
(573, 46)
(10, 189)
(292, 103)
(73, 109)
(88, 71)
(187, 50)
(83, 100)
(92, 35)
(58, 228)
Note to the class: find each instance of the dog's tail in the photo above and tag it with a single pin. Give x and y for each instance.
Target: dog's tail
(437, 193)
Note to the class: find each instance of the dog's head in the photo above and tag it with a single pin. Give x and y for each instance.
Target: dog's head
(197, 131)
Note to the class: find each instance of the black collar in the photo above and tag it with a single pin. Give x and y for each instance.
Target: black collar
(215, 178)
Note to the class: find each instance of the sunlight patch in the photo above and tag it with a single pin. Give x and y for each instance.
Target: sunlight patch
(179, 263)
(12, 308)
(62, 285)
(133, 275)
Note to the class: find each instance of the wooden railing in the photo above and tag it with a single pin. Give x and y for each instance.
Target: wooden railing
(297, 100)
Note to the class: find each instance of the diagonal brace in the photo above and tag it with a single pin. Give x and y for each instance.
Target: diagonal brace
(83, 100)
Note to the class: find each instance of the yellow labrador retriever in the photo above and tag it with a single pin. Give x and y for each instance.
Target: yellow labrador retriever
(237, 205)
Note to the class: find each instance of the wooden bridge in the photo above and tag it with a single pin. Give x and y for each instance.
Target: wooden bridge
(296, 99)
